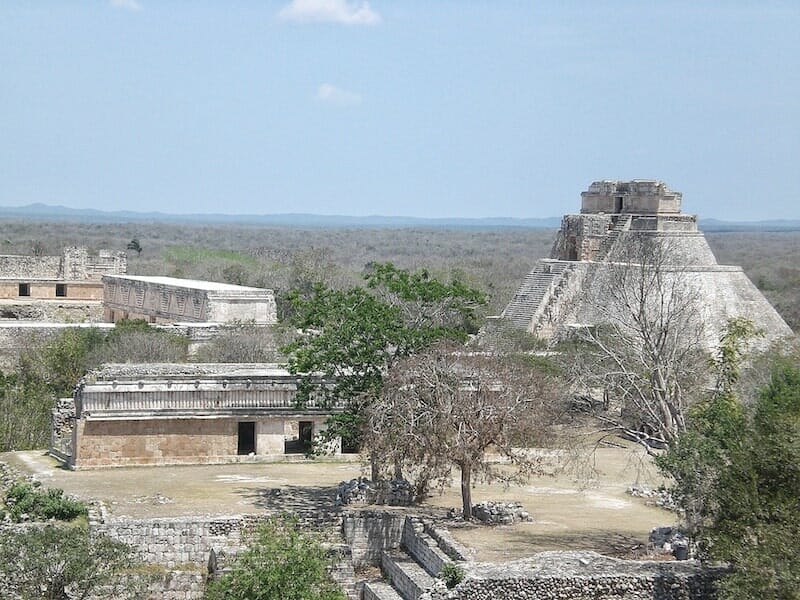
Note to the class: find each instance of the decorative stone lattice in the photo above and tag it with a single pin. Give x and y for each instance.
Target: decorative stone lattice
(397, 492)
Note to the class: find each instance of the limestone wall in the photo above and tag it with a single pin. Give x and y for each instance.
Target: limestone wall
(51, 289)
(179, 541)
(32, 267)
(173, 441)
(581, 237)
(183, 545)
(153, 442)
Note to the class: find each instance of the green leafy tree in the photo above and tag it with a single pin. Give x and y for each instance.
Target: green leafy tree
(737, 473)
(694, 461)
(64, 563)
(279, 562)
(756, 520)
(353, 336)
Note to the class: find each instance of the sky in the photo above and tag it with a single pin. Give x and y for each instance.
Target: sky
(444, 108)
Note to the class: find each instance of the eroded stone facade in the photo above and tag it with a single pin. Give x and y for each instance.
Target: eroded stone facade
(75, 274)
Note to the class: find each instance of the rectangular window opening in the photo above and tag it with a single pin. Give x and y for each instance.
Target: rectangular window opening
(61, 290)
(24, 289)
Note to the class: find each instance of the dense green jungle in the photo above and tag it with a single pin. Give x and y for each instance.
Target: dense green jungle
(282, 258)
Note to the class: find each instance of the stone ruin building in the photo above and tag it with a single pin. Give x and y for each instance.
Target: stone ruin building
(56, 288)
(166, 300)
(160, 414)
(564, 291)
(74, 275)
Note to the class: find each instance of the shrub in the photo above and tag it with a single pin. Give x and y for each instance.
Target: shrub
(280, 561)
(38, 504)
(452, 575)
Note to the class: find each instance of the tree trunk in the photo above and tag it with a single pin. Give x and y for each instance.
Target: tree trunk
(374, 467)
(466, 491)
(398, 470)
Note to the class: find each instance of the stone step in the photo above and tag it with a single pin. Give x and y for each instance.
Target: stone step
(407, 576)
(379, 590)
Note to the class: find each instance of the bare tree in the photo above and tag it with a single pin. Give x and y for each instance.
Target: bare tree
(245, 343)
(442, 409)
(647, 350)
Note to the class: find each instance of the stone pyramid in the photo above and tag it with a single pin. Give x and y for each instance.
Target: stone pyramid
(571, 288)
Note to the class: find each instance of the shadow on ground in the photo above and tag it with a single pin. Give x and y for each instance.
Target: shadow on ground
(293, 498)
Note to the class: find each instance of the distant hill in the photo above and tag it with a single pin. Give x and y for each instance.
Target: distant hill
(62, 213)
(46, 212)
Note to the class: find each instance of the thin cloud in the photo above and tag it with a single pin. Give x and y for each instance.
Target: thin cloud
(330, 94)
(131, 5)
(345, 12)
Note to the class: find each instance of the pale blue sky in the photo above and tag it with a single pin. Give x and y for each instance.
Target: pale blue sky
(430, 109)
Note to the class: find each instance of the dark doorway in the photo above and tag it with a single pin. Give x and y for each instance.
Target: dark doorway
(24, 289)
(618, 204)
(306, 433)
(247, 438)
(61, 290)
(302, 444)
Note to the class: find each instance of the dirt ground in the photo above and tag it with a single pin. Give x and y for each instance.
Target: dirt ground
(570, 511)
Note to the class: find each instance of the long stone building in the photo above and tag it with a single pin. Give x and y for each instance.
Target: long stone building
(159, 414)
(572, 288)
(171, 300)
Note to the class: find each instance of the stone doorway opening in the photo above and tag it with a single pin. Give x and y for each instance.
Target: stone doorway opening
(246, 442)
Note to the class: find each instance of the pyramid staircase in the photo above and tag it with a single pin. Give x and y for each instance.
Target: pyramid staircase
(622, 223)
(536, 289)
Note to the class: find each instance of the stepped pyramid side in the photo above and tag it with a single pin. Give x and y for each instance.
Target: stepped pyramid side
(565, 290)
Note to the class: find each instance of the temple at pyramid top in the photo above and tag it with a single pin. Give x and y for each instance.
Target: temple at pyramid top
(637, 197)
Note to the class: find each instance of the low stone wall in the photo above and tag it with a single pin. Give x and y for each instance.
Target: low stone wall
(173, 542)
(582, 576)
(453, 549)
(423, 547)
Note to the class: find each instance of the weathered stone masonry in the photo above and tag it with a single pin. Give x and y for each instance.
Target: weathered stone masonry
(171, 300)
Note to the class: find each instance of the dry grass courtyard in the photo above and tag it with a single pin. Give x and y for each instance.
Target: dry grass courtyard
(570, 511)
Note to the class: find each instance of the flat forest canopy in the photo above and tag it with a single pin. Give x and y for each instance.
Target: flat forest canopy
(493, 259)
